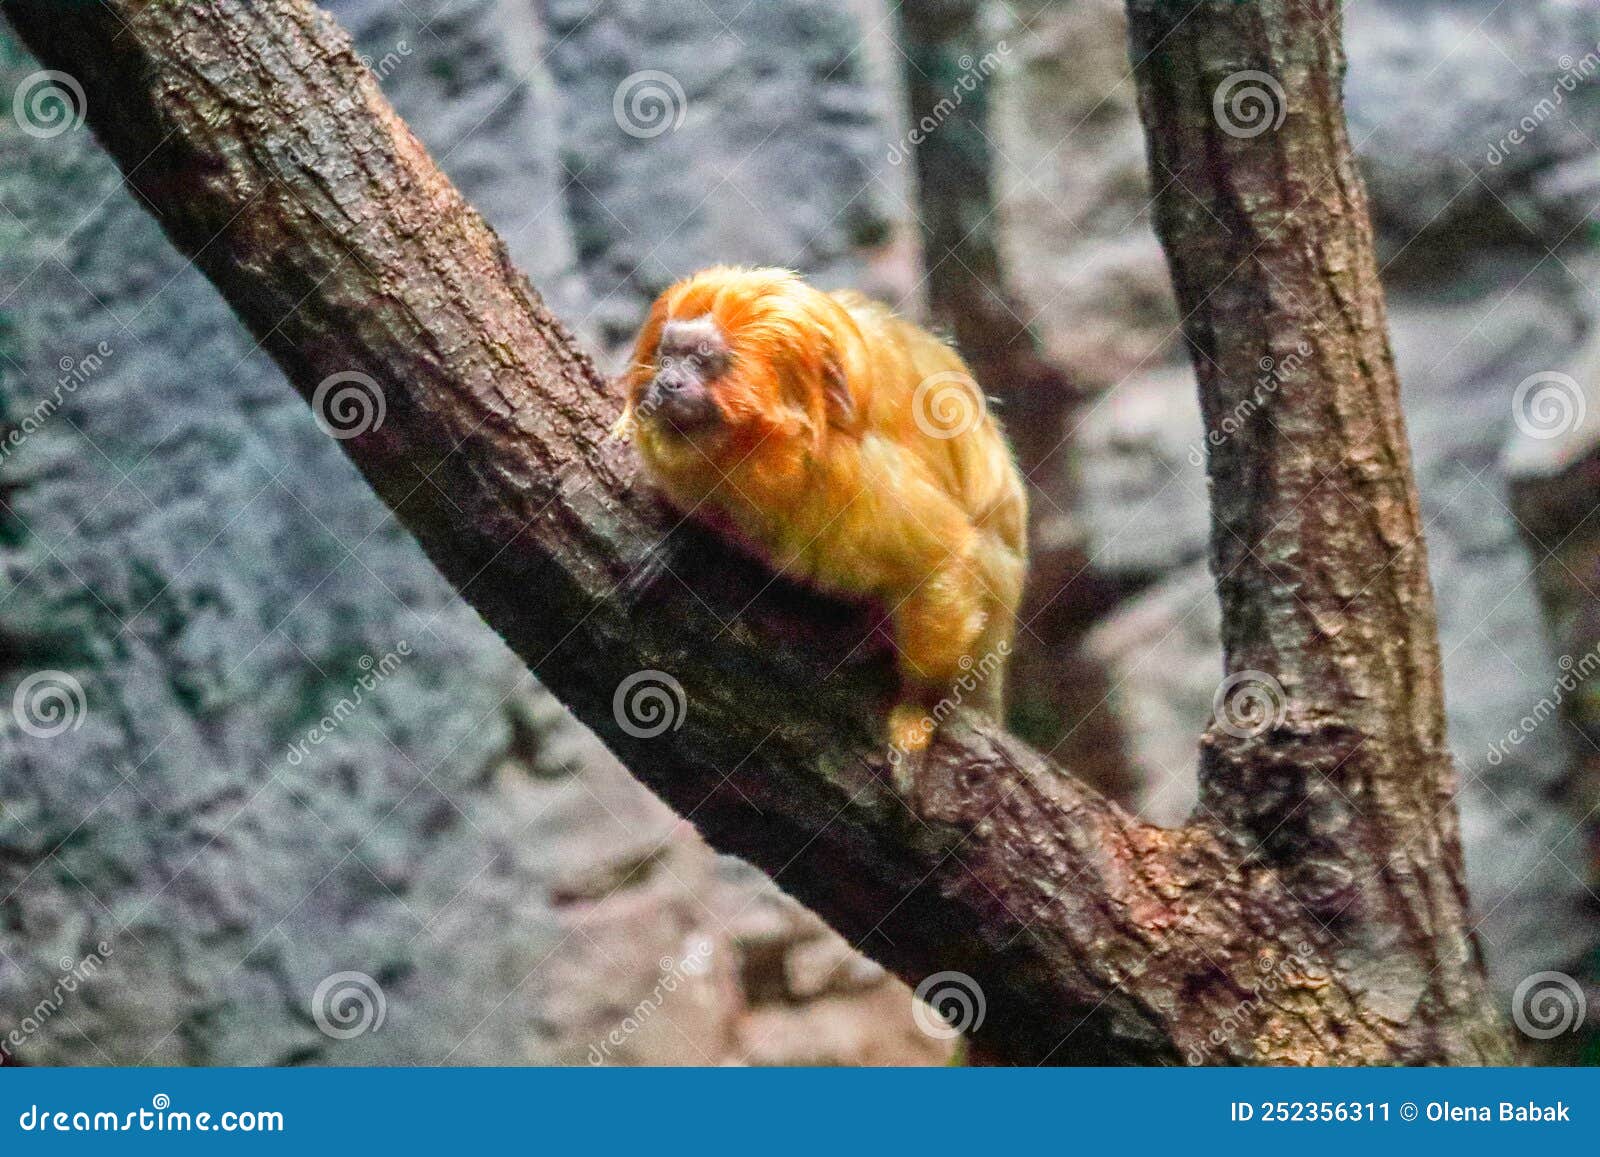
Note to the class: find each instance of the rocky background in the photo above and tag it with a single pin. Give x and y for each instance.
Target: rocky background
(454, 871)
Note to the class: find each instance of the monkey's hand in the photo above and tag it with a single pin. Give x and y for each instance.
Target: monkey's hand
(622, 428)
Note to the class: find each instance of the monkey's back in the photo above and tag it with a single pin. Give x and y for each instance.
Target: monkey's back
(923, 391)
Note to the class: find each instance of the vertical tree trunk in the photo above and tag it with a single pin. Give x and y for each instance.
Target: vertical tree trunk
(1328, 622)
(949, 65)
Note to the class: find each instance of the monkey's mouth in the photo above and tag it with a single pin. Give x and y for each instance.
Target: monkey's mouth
(685, 411)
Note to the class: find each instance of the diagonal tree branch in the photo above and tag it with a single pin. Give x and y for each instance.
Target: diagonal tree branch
(266, 150)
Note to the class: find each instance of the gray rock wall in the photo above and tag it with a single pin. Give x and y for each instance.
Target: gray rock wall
(751, 133)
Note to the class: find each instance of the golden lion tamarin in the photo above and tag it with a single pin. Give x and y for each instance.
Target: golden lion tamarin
(849, 449)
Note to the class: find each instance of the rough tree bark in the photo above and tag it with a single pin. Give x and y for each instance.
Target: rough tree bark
(1316, 537)
(1313, 912)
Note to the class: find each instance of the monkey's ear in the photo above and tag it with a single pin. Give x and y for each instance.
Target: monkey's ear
(836, 395)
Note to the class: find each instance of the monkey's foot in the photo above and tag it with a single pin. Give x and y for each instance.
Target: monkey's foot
(910, 732)
(910, 729)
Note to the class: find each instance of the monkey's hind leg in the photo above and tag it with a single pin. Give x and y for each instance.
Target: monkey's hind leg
(1003, 572)
(935, 629)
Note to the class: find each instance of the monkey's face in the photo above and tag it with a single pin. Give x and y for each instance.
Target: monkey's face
(679, 398)
(703, 395)
(737, 372)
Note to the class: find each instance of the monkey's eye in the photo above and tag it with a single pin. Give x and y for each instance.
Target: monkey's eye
(689, 361)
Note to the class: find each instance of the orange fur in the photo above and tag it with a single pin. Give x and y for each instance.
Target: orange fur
(854, 452)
